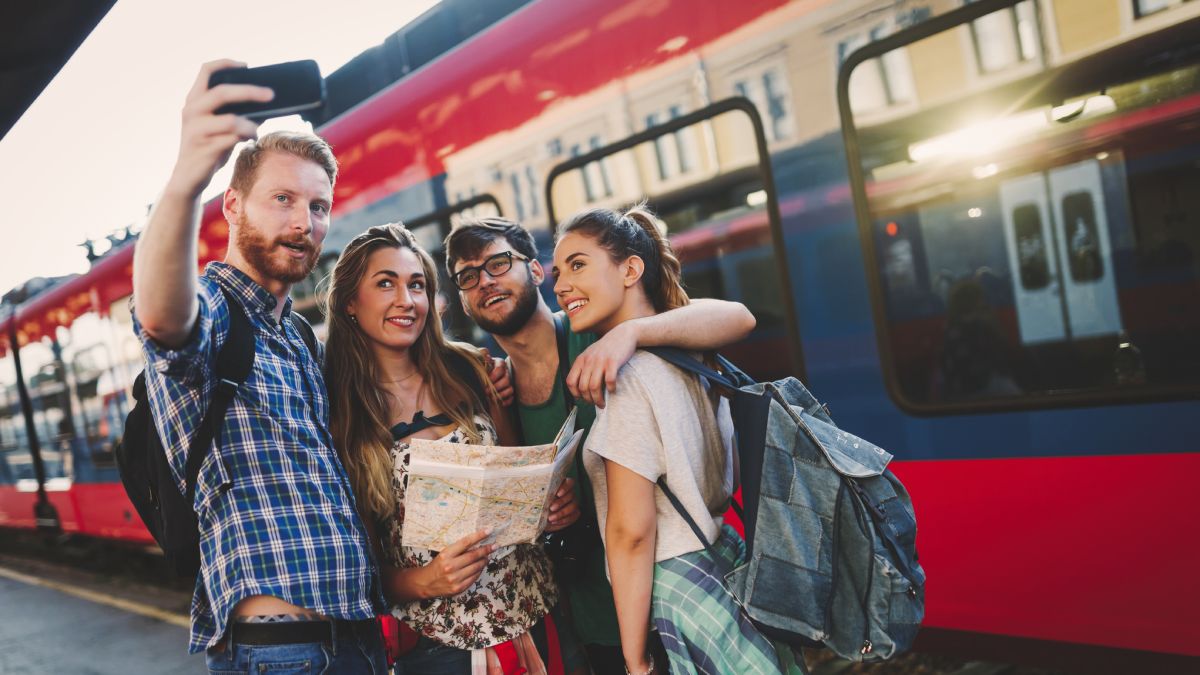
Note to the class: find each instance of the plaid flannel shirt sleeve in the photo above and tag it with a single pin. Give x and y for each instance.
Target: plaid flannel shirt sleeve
(190, 363)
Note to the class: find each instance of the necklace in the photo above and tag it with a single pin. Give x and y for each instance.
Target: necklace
(406, 377)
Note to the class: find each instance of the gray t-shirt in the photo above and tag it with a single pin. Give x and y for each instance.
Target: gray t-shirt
(662, 421)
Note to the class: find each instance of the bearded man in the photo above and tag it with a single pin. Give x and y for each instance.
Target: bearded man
(286, 574)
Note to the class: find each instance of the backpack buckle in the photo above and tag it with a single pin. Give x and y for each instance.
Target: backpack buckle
(229, 385)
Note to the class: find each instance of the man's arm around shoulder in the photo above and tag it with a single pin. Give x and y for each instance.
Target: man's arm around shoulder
(704, 324)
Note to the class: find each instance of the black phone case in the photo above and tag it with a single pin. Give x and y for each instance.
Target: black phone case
(298, 86)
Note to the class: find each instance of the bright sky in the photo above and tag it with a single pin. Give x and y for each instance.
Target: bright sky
(98, 144)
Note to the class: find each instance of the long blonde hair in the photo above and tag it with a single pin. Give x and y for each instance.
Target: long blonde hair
(360, 418)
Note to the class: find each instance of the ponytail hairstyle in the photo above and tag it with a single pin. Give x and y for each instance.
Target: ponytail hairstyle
(635, 232)
(359, 414)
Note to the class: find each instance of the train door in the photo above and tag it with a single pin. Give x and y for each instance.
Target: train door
(707, 176)
(1056, 230)
(1029, 235)
(1084, 252)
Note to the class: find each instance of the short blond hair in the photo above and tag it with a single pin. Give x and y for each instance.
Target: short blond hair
(300, 144)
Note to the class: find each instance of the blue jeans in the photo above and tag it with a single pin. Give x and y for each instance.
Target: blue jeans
(352, 652)
(428, 657)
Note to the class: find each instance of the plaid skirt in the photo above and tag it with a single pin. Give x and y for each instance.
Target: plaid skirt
(702, 627)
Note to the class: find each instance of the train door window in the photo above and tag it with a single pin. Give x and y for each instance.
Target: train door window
(721, 218)
(1031, 247)
(1033, 242)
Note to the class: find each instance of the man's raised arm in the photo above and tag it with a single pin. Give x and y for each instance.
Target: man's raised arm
(164, 262)
(702, 325)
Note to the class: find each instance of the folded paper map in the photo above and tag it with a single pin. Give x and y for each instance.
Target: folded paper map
(455, 489)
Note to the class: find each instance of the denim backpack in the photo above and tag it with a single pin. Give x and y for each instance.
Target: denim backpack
(830, 532)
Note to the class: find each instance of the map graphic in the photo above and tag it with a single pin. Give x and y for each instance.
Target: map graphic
(455, 489)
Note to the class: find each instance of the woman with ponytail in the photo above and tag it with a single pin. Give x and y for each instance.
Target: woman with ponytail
(392, 377)
(660, 423)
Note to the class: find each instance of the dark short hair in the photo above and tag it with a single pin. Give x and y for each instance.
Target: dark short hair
(471, 237)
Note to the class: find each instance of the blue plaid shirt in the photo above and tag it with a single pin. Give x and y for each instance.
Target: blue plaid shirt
(277, 515)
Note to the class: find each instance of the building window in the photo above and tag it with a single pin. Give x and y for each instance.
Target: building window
(524, 186)
(596, 183)
(514, 181)
(770, 93)
(675, 153)
(532, 186)
(880, 82)
(1147, 7)
(1005, 38)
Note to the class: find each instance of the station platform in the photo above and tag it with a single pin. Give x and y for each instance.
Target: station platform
(54, 620)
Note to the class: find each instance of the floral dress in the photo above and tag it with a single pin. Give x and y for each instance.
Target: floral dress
(515, 590)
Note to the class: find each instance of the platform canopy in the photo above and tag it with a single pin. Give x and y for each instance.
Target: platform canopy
(37, 38)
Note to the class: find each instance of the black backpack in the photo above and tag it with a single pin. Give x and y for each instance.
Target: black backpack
(830, 531)
(145, 471)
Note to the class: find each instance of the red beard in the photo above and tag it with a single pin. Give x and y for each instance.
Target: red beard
(271, 259)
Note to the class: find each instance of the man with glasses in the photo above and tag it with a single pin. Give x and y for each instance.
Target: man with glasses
(493, 263)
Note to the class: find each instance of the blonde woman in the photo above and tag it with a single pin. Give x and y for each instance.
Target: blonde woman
(392, 377)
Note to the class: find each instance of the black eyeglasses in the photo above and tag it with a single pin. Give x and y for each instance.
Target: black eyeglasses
(495, 265)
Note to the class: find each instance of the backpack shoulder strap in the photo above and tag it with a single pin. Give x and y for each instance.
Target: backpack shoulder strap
(234, 362)
(687, 517)
(305, 329)
(560, 338)
(731, 378)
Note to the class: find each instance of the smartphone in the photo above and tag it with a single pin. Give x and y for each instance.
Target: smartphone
(298, 86)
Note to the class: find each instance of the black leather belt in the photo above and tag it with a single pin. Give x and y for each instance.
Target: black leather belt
(294, 632)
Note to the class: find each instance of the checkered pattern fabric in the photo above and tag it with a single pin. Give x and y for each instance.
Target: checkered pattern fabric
(702, 627)
(277, 515)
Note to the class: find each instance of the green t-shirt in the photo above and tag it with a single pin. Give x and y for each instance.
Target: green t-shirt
(592, 609)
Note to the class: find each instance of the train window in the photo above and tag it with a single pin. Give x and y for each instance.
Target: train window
(1032, 242)
(721, 215)
(306, 292)
(431, 230)
(100, 394)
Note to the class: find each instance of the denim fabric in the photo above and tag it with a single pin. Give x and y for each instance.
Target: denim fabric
(820, 568)
(831, 532)
(353, 651)
(433, 658)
